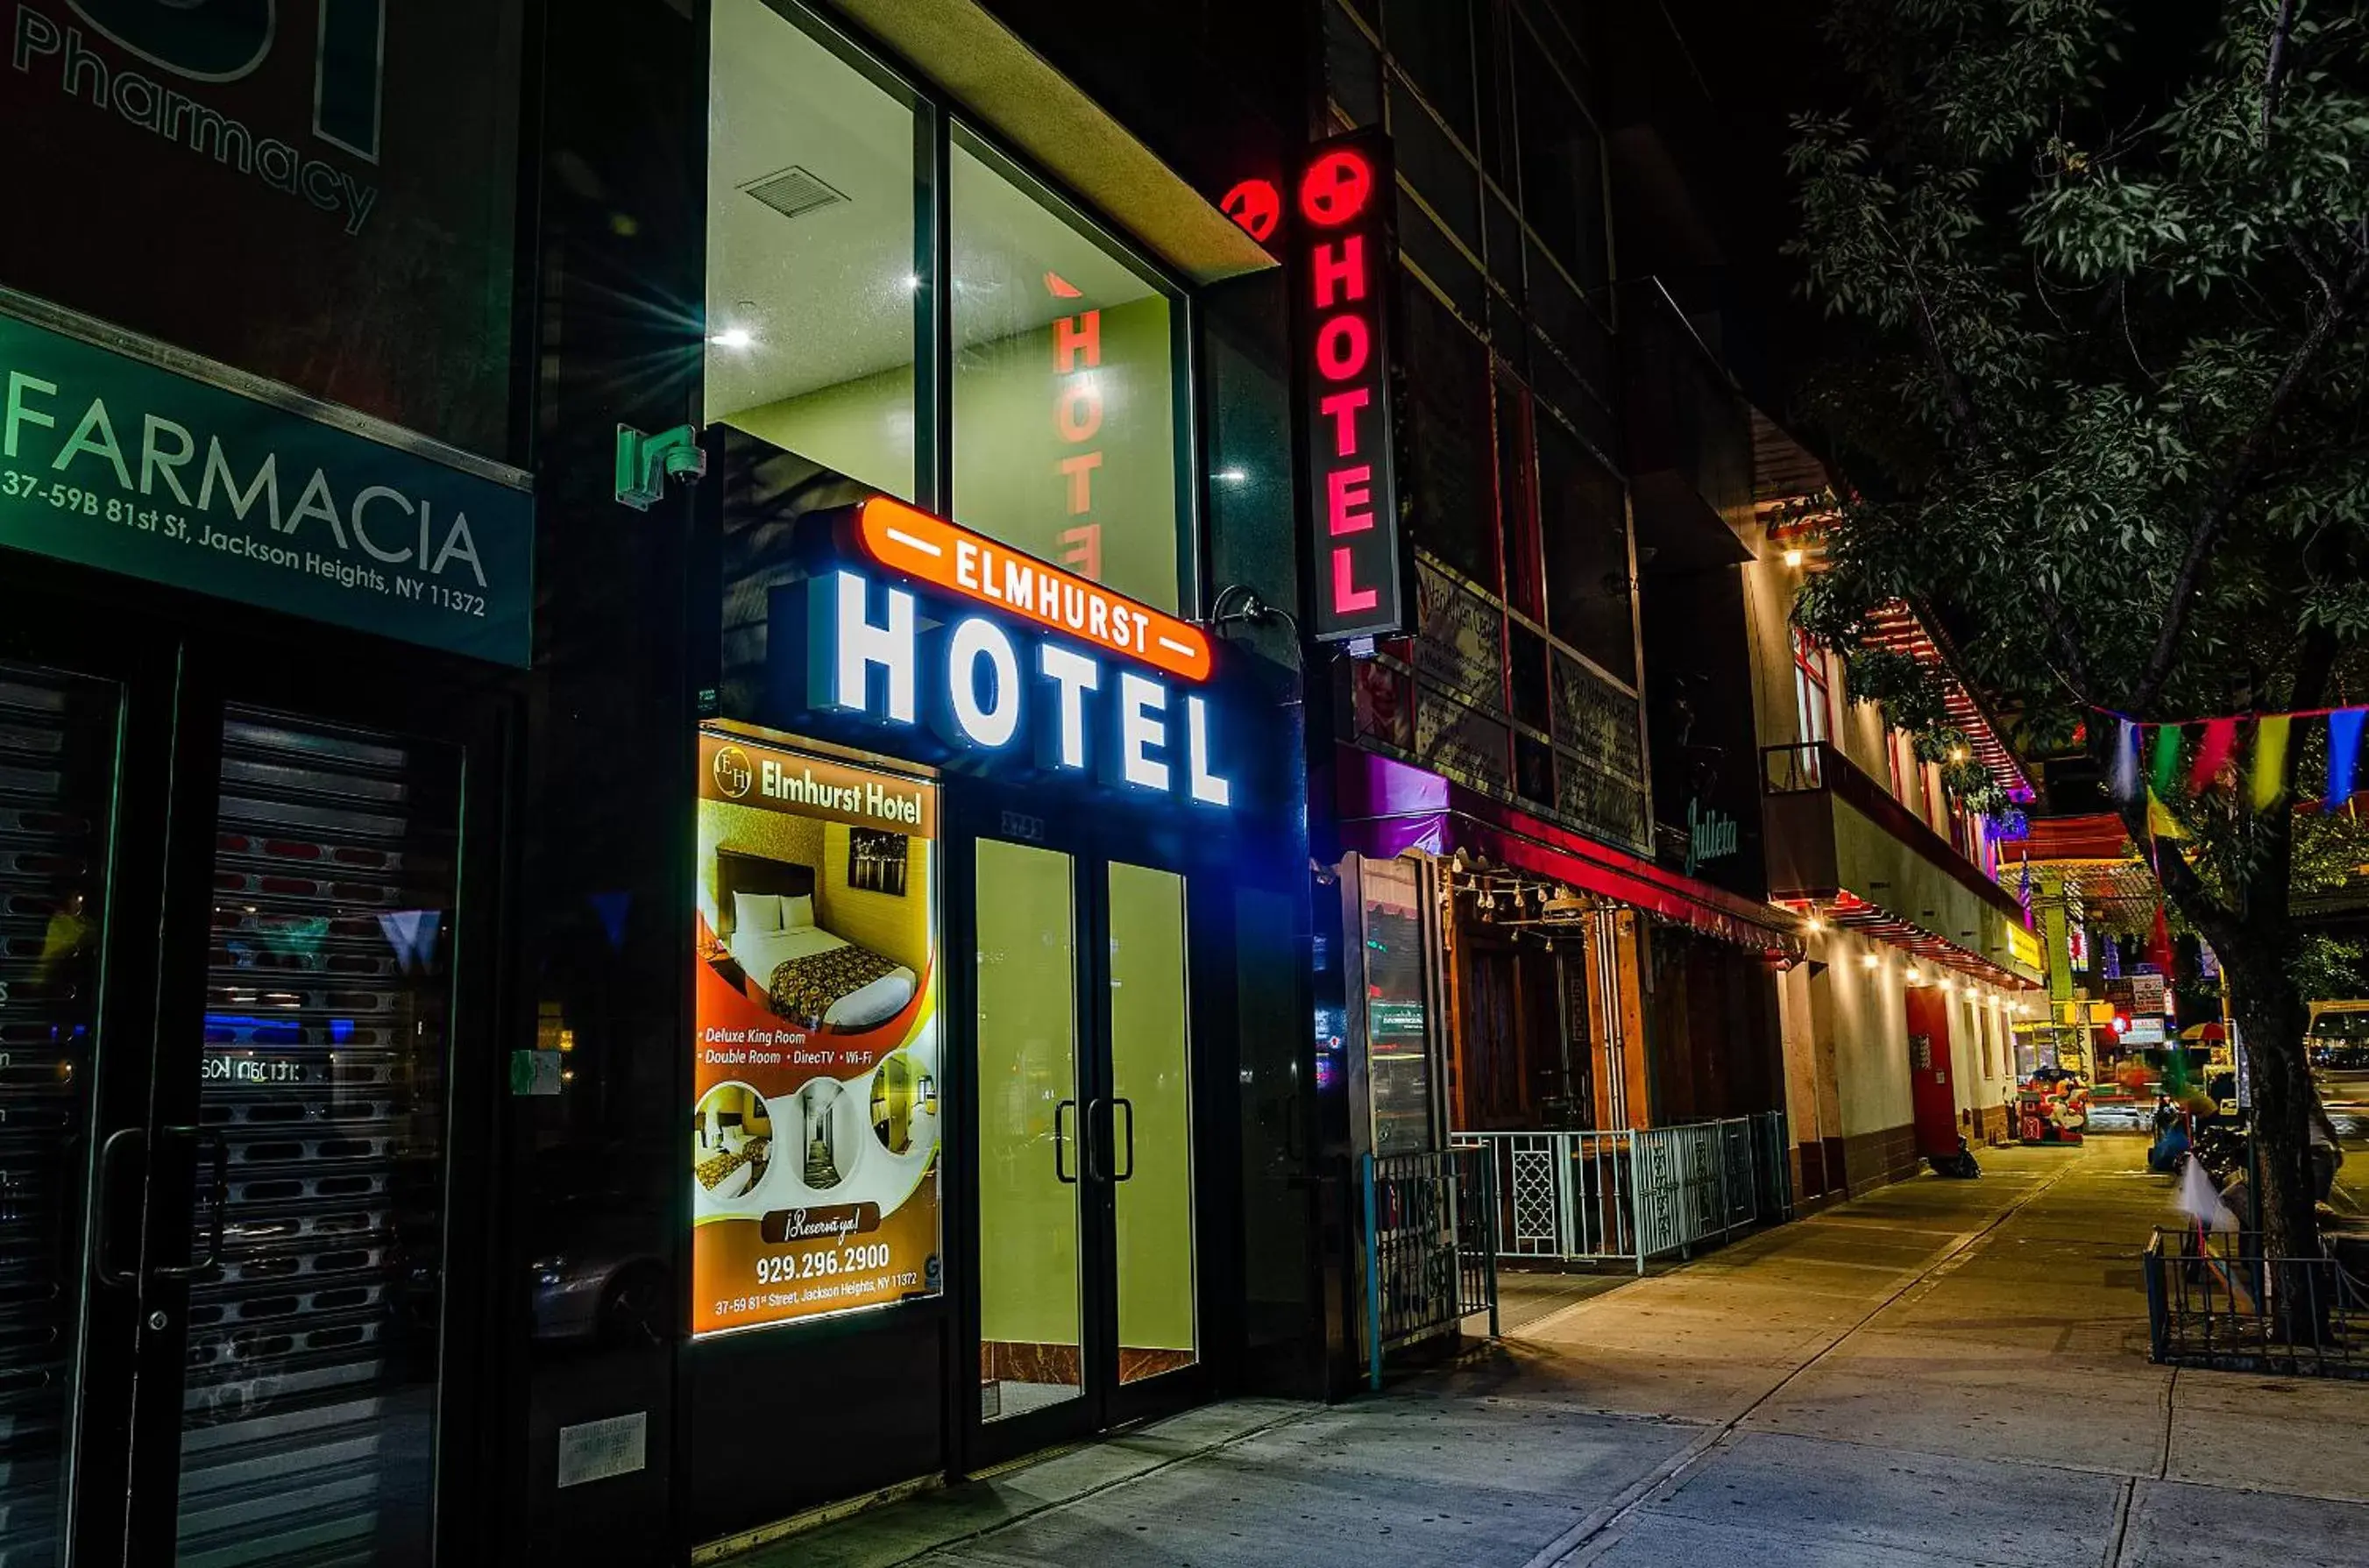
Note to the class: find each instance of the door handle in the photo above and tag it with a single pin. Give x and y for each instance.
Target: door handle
(101, 1254)
(1093, 1167)
(218, 1190)
(1061, 1170)
(1129, 1106)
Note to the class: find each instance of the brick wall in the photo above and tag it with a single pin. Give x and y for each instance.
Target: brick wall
(1873, 1159)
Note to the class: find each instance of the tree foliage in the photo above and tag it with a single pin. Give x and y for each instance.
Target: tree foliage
(2105, 274)
(2327, 969)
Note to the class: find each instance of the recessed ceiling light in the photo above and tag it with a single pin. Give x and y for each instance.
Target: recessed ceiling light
(913, 282)
(733, 338)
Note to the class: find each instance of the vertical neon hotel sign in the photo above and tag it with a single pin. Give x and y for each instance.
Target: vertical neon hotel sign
(1348, 262)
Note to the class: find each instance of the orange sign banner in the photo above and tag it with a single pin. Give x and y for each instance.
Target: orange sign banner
(944, 556)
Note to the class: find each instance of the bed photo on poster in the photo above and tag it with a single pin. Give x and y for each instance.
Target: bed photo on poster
(814, 1107)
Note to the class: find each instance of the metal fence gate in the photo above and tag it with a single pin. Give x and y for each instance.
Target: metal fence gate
(1629, 1194)
(1431, 1248)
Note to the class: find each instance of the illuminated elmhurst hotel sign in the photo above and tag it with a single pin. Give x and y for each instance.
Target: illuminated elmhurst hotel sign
(981, 688)
(1347, 268)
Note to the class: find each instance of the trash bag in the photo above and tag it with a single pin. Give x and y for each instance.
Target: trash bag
(1959, 1166)
(2199, 1200)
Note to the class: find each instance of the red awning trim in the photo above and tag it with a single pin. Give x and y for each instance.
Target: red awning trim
(1446, 817)
(2098, 836)
(1848, 910)
(1896, 629)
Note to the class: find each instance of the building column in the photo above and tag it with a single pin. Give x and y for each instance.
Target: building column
(1615, 1009)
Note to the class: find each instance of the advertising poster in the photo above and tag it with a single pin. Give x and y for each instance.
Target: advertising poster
(814, 1123)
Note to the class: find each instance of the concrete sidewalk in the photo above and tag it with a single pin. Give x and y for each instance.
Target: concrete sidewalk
(1942, 1373)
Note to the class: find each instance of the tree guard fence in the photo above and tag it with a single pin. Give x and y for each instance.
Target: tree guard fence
(1629, 1194)
(1430, 1255)
(2214, 1300)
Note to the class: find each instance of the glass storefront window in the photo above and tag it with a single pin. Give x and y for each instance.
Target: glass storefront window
(812, 282)
(1068, 430)
(1065, 408)
(1398, 1015)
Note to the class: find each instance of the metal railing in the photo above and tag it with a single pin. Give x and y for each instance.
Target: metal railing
(1630, 1194)
(1431, 1256)
(2212, 1300)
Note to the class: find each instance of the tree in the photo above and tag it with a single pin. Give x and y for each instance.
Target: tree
(2106, 280)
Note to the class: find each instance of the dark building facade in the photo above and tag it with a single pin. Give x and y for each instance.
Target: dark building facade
(682, 836)
(1575, 487)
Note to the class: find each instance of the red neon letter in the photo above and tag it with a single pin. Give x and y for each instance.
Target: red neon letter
(1341, 346)
(1335, 188)
(1348, 598)
(1076, 335)
(1341, 407)
(1085, 550)
(1343, 266)
(1348, 501)
(1080, 471)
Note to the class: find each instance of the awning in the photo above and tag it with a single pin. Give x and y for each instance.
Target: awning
(1387, 806)
(1895, 628)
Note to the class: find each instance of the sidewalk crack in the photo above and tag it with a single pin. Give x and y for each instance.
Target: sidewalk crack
(2125, 1498)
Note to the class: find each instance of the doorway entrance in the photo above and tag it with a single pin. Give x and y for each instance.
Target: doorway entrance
(242, 967)
(1087, 1309)
(1933, 1093)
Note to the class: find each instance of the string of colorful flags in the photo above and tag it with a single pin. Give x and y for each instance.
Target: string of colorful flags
(2218, 754)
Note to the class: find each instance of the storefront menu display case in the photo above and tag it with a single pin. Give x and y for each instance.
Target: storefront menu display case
(1402, 1076)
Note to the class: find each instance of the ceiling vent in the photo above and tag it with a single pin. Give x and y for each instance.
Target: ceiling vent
(792, 192)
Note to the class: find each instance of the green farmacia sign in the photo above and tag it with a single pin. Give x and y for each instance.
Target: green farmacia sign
(111, 462)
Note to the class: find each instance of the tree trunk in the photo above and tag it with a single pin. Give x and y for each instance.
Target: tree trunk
(2251, 934)
(2271, 1024)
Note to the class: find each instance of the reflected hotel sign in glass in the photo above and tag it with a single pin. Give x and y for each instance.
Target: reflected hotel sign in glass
(1347, 267)
(1096, 696)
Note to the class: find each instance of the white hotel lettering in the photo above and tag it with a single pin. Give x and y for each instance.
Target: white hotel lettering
(1013, 579)
(1139, 734)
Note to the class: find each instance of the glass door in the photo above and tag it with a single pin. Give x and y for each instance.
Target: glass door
(1151, 1075)
(1087, 1271)
(61, 743)
(1031, 1160)
(232, 964)
(312, 1281)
